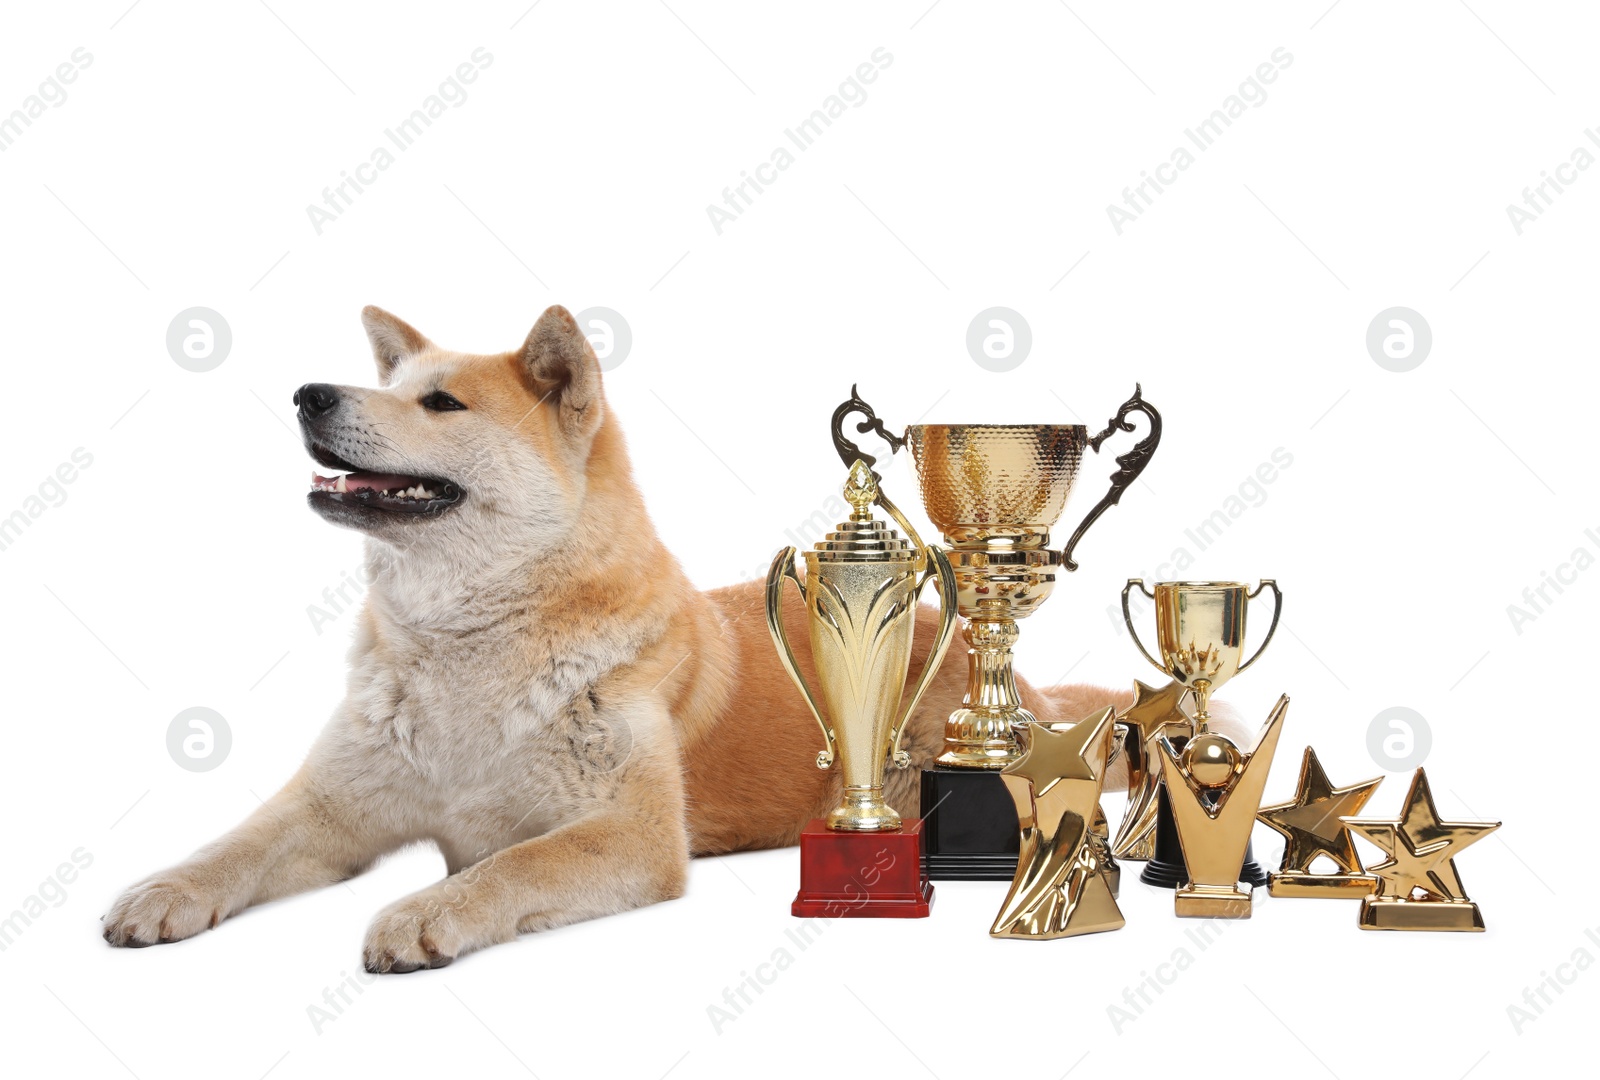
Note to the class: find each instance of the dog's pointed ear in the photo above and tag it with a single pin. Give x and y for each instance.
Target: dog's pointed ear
(561, 366)
(393, 340)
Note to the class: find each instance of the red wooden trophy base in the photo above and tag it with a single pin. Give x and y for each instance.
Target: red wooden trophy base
(862, 875)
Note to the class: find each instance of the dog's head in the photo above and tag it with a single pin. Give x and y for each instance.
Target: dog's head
(453, 445)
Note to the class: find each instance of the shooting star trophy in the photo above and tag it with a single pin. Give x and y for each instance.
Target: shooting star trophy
(1062, 886)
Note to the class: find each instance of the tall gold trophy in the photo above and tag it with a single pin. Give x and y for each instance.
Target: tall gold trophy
(994, 491)
(860, 590)
(1210, 787)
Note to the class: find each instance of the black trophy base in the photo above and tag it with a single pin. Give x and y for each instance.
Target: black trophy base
(1168, 870)
(969, 826)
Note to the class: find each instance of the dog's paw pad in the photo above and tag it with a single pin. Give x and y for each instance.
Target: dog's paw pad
(159, 912)
(410, 936)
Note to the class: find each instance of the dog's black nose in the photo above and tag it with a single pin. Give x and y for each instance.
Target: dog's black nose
(315, 399)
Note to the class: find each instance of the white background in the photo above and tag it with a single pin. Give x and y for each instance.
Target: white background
(179, 569)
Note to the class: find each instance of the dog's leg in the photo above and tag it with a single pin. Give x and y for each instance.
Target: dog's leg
(300, 839)
(633, 852)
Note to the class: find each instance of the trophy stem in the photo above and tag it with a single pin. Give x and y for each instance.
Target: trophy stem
(864, 810)
(1202, 705)
(979, 735)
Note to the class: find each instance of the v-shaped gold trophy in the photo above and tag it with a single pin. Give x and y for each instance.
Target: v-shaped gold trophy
(995, 491)
(1215, 791)
(1200, 628)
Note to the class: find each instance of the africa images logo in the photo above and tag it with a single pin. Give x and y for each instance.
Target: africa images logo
(1252, 93)
(851, 94)
(451, 93)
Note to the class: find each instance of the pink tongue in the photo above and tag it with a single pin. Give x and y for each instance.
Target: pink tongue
(375, 481)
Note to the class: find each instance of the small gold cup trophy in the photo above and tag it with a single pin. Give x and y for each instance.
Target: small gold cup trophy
(994, 491)
(860, 590)
(1210, 788)
(1200, 633)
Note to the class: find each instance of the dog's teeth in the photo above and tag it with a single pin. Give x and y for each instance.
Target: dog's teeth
(340, 484)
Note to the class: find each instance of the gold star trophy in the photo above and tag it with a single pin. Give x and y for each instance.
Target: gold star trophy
(1214, 789)
(1062, 886)
(1312, 824)
(1152, 712)
(1418, 887)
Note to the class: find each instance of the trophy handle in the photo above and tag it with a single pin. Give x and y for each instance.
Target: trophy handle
(783, 567)
(850, 453)
(1127, 617)
(941, 642)
(1277, 609)
(1129, 465)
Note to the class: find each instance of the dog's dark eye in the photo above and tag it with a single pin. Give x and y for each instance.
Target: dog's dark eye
(439, 401)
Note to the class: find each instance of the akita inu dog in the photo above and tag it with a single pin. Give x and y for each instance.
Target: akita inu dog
(534, 687)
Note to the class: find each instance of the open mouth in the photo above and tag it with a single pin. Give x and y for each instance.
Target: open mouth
(391, 492)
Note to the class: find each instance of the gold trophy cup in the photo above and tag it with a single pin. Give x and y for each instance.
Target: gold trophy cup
(1200, 633)
(860, 589)
(995, 491)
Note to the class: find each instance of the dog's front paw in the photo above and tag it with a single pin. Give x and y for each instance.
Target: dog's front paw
(162, 909)
(428, 929)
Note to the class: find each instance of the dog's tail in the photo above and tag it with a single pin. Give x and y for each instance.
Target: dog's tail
(1071, 702)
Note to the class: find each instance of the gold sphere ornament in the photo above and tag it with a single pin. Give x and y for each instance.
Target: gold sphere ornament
(1212, 760)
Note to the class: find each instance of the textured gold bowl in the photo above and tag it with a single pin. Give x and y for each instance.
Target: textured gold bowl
(985, 482)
